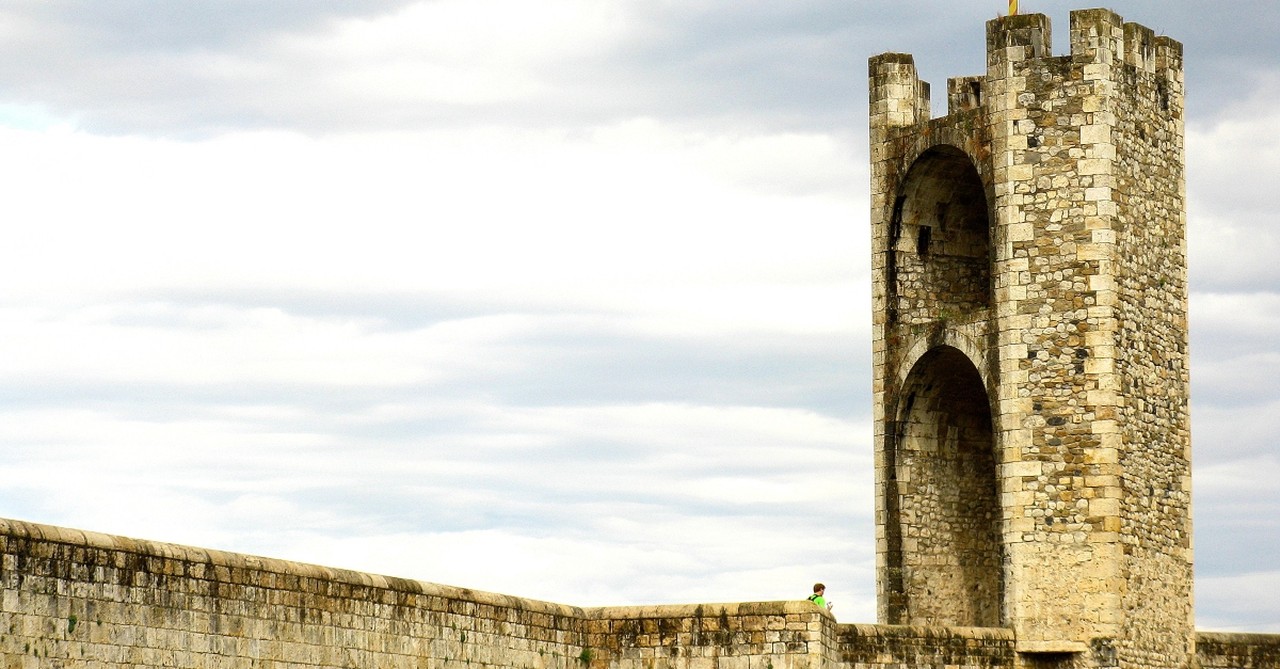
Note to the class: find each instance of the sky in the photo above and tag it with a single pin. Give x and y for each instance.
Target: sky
(563, 299)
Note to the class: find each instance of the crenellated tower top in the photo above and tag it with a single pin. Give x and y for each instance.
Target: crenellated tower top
(1098, 37)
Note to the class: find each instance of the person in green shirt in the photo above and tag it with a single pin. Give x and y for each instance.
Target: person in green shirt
(818, 596)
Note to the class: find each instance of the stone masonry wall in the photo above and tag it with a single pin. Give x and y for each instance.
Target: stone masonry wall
(1057, 414)
(79, 599)
(869, 646)
(782, 635)
(1093, 208)
(1216, 650)
(1151, 357)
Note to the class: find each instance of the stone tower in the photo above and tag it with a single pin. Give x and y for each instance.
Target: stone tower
(1030, 345)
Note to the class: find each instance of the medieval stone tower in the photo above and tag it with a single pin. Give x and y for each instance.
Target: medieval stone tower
(1030, 345)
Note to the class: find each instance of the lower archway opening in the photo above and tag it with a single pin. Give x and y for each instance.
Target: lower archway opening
(947, 513)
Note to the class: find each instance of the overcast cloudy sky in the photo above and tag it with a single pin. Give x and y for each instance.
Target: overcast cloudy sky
(566, 299)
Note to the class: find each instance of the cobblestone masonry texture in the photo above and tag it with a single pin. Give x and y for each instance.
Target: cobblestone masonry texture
(1032, 443)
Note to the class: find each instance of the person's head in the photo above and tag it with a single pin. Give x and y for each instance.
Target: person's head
(818, 588)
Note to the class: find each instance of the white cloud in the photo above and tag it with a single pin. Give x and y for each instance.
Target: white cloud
(450, 51)
(509, 211)
(1223, 312)
(1239, 603)
(1235, 321)
(1246, 479)
(697, 504)
(1232, 160)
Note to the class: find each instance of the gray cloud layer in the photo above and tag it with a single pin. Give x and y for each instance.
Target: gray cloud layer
(204, 67)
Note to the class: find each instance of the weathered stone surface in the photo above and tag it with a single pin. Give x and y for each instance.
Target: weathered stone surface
(1030, 344)
(86, 600)
(1237, 651)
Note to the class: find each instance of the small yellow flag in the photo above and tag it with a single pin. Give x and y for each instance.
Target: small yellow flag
(1013, 7)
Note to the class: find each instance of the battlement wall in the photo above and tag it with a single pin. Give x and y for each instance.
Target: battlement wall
(1219, 650)
(1102, 36)
(74, 598)
(81, 599)
(1103, 46)
(89, 599)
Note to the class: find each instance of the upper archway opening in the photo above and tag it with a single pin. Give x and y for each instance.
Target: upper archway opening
(940, 239)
